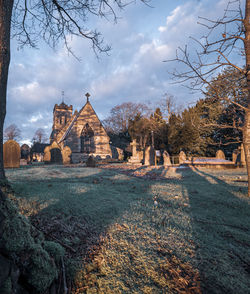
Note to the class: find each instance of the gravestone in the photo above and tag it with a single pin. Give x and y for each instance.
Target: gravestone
(117, 153)
(11, 154)
(47, 154)
(135, 158)
(120, 153)
(220, 155)
(149, 156)
(66, 155)
(182, 157)
(90, 162)
(25, 152)
(236, 156)
(166, 159)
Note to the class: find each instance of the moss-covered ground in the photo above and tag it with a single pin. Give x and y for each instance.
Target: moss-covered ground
(142, 230)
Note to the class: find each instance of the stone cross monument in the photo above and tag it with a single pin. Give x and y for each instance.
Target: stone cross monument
(135, 158)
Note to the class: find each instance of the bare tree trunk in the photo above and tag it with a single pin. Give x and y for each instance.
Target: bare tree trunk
(246, 129)
(5, 23)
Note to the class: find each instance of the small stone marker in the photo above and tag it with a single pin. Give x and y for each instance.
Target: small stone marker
(220, 155)
(120, 153)
(11, 154)
(182, 157)
(90, 162)
(166, 159)
(66, 155)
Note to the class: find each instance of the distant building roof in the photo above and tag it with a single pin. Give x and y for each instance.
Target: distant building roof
(38, 147)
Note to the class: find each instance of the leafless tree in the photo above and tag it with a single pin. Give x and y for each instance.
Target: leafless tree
(12, 132)
(226, 44)
(118, 121)
(50, 20)
(39, 136)
(169, 106)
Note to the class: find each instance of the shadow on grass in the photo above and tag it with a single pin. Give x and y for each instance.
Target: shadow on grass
(77, 207)
(220, 229)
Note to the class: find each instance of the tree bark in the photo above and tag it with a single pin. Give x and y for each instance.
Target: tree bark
(246, 129)
(6, 7)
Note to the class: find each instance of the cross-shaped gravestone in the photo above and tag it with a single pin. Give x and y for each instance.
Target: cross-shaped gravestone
(87, 95)
(133, 145)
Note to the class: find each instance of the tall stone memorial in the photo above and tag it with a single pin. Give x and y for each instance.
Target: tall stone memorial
(149, 156)
(182, 157)
(135, 158)
(166, 159)
(11, 154)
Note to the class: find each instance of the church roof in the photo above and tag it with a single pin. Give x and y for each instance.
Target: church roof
(66, 130)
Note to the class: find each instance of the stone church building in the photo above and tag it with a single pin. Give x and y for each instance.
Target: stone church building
(81, 131)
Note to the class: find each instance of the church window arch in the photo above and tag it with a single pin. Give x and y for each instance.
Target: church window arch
(87, 140)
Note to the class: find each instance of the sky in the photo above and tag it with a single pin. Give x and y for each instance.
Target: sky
(134, 70)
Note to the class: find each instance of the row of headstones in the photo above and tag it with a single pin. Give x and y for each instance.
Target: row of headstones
(149, 158)
(12, 154)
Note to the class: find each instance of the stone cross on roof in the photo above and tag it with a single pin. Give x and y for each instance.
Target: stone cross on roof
(87, 95)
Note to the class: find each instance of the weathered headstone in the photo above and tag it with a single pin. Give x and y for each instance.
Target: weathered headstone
(220, 155)
(90, 162)
(47, 154)
(135, 158)
(166, 159)
(236, 156)
(25, 152)
(117, 153)
(11, 154)
(182, 157)
(66, 155)
(120, 153)
(149, 156)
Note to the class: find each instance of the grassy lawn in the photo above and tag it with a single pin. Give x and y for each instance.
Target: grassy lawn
(195, 240)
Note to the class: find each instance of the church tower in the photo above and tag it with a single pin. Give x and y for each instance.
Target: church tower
(61, 115)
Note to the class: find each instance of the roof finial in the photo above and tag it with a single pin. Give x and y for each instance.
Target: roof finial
(87, 95)
(62, 96)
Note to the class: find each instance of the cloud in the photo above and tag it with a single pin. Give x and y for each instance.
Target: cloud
(134, 70)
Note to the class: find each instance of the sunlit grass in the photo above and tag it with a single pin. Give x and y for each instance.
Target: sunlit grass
(195, 240)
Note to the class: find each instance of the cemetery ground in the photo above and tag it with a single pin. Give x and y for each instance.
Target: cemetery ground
(193, 239)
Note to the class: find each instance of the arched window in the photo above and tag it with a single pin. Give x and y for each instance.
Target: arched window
(87, 140)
